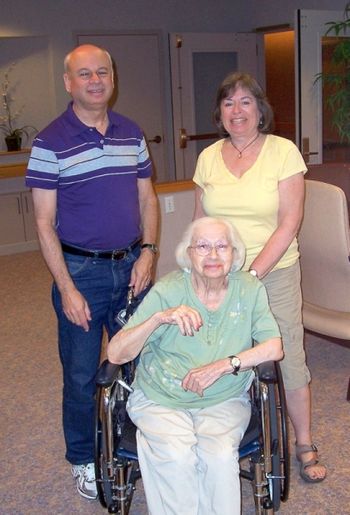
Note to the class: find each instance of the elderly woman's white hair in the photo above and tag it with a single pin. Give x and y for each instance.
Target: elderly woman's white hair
(181, 253)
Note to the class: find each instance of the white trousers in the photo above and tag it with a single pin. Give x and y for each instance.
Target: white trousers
(189, 457)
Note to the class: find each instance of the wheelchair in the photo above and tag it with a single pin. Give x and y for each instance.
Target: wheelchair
(263, 452)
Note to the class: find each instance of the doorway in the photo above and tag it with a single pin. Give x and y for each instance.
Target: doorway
(316, 136)
(199, 62)
(319, 142)
(280, 80)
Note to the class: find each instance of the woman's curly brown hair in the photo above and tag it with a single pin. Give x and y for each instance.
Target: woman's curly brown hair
(245, 81)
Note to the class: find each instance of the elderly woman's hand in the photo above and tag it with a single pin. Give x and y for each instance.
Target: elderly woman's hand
(197, 379)
(187, 318)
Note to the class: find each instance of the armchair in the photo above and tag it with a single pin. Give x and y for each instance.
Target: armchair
(324, 245)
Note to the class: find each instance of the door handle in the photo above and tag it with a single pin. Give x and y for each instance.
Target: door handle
(156, 139)
(184, 137)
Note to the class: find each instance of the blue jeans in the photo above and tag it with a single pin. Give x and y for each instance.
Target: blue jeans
(104, 284)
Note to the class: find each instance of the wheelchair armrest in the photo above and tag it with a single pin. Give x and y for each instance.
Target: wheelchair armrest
(107, 373)
(267, 371)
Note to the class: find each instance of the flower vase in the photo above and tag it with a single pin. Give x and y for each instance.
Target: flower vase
(13, 143)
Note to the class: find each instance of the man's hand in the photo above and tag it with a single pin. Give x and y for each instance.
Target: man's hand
(76, 308)
(141, 274)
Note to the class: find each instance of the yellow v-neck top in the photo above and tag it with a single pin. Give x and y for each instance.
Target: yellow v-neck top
(251, 202)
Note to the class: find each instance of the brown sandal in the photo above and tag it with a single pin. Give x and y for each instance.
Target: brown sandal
(299, 451)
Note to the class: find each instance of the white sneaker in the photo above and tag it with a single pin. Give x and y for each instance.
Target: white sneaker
(85, 480)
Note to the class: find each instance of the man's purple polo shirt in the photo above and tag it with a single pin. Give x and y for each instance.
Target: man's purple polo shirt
(95, 177)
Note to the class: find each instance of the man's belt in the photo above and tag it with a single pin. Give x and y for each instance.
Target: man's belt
(116, 255)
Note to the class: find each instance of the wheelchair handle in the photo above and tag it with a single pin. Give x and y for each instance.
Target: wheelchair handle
(129, 303)
(125, 385)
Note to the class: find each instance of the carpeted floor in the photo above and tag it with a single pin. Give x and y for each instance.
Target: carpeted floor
(34, 476)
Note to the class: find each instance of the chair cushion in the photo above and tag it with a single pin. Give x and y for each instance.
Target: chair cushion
(326, 321)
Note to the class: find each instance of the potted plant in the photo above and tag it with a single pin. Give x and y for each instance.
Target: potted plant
(336, 79)
(13, 134)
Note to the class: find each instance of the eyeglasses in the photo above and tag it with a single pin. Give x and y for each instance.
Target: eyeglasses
(204, 249)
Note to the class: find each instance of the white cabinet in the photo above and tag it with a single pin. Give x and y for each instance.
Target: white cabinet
(11, 219)
(17, 224)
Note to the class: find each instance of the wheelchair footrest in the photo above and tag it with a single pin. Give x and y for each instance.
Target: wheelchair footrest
(126, 444)
(127, 454)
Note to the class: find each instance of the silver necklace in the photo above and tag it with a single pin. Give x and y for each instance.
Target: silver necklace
(240, 152)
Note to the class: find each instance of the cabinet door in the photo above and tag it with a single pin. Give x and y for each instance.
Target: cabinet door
(28, 216)
(11, 219)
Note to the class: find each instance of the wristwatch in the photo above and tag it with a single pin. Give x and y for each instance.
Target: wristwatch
(235, 363)
(151, 246)
(253, 272)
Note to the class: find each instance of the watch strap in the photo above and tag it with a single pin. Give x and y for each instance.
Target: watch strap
(151, 246)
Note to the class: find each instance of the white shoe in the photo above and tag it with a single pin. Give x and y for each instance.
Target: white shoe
(85, 480)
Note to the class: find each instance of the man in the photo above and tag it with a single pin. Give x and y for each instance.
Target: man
(96, 215)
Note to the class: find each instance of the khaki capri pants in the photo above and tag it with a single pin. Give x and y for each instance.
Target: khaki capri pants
(284, 294)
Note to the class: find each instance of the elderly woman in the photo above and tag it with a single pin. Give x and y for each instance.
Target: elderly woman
(256, 179)
(196, 329)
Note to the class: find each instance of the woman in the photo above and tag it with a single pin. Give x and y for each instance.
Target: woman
(190, 404)
(256, 180)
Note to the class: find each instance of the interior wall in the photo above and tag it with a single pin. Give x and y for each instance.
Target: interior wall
(276, 12)
(58, 22)
(62, 19)
(25, 62)
(172, 227)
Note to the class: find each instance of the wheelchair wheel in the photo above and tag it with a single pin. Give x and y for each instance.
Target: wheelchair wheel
(116, 468)
(103, 454)
(276, 473)
(284, 456)
(276, 455)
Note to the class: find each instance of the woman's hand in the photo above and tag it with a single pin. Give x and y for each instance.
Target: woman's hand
(187, 319)
(128, 343)
(197, 379)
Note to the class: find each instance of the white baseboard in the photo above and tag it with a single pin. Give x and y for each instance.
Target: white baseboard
(15, 248)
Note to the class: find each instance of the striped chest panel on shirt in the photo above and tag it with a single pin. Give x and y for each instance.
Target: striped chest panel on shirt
(98, 157)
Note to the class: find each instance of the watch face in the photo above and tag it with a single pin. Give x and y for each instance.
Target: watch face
(235, 362)
(236, 365)
(253, 272)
